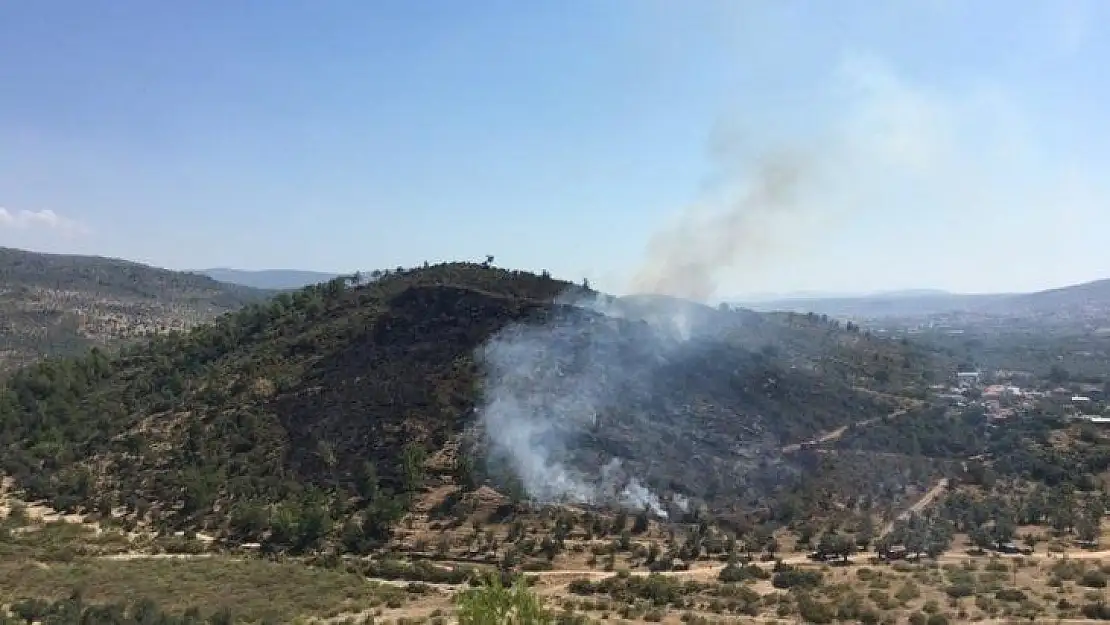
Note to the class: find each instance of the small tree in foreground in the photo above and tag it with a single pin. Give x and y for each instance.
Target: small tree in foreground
(494, 604)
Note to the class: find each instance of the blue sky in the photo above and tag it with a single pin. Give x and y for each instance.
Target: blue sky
(932, 143)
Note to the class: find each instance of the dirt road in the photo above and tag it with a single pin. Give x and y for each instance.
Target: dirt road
(838, 432)
(929, 497)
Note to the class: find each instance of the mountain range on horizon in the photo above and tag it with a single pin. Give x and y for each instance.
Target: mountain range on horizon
(272, 279)
(283, 279)
(823, 295)
(1075, 298)
(908, 303)
(893, 303)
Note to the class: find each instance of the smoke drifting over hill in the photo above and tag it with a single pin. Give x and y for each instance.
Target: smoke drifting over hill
(685, 260)
(548, 384)
(879, 156)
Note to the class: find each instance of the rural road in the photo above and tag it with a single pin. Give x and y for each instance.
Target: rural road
(929, 497)
(838, 432)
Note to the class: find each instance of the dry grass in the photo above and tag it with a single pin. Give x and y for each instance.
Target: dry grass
(250, 588)
(50, 560)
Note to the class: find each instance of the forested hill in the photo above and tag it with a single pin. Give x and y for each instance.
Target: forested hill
(53, 304)
(340, 398)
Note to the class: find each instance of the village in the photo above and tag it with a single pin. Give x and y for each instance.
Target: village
(1005, 394)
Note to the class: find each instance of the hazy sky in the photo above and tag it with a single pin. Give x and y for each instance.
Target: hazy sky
(930, 143)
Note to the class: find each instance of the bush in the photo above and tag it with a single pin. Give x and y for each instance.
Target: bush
(1068, 570)
(957, 591)
(789, 577)
(1093, 579)
(1097, 610)
(493, 603)
(420, 571)
(882, 600)
(908, 592)
(813, 611)
(996, 565)
(733, 573)
(582, 587)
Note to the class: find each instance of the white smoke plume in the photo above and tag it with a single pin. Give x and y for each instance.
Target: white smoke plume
(549, 382)
(686, 259)
(883, 167)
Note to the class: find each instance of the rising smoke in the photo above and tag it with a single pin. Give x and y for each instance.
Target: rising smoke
(548, 384)
(686, 259)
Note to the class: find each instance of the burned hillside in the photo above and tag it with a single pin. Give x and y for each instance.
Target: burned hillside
(337, 396)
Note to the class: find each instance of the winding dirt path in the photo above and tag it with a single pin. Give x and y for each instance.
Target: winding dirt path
(839, 432)
(929, 497)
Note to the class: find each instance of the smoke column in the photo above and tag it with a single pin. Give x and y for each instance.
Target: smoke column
(547, 383)
(685, 260)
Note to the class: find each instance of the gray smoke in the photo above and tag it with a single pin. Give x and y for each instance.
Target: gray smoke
(687, 259)
(548, 383)
(880, 143)
(887, 143)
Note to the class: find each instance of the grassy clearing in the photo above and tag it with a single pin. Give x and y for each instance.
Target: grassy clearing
(49, 561)
(250, 588)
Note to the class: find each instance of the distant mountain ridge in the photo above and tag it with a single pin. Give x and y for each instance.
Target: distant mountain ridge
(1079, 299)
(792, 296)
(887, 305)
(277, 279)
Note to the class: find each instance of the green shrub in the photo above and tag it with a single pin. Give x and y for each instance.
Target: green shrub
(733, 573)
(957, 591)
(790, 577)
(813, 611)
(1093, 579)
(908, 592)
(494, 604)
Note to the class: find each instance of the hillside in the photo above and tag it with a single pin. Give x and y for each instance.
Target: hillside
(1089, 297)
(337, 401)
(60, 304)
